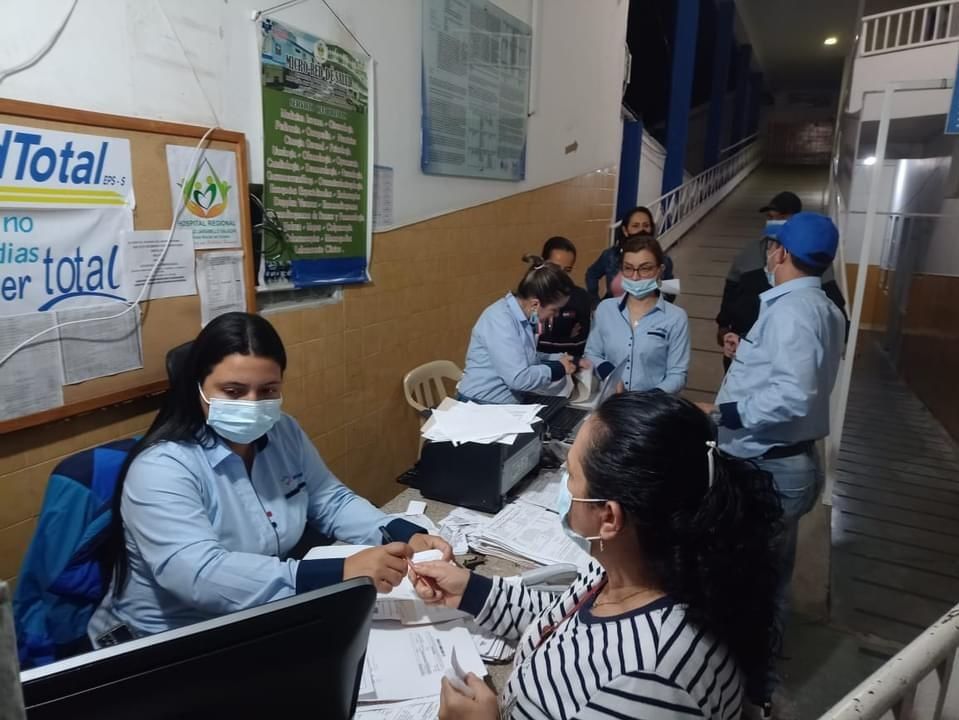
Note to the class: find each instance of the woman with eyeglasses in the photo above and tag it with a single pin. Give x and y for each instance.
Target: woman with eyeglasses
(502, 361)
(637, 221)
(641, 329)
(672, 617)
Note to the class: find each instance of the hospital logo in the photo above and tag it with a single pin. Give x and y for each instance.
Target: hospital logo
(205, 194)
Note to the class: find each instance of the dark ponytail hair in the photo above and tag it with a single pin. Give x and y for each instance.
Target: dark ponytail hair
(544, 281)
(181, 417)
(708, 548)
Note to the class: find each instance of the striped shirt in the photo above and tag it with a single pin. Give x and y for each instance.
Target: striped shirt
(649, 663)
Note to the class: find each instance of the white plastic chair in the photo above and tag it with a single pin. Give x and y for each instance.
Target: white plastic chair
(425, 386)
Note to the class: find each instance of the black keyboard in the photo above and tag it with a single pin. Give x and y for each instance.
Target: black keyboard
(562, 425)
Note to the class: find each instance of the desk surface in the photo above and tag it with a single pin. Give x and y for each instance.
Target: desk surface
(491, 566)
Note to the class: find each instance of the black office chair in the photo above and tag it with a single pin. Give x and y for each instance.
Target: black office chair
(175, 360)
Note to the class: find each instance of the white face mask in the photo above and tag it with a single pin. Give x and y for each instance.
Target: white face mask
(770, 274)
(564, 503)
(242, 421)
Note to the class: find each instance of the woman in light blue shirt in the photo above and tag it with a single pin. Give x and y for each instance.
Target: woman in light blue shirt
(502, 359)
(220, 490)
(642, 330)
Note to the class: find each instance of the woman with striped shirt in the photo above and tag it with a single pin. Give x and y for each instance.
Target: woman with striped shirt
(675, 610)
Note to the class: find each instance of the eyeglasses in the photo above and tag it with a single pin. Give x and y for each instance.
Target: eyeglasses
(646, 270)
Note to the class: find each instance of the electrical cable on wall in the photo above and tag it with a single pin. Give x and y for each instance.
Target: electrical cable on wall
(193, 167)
(37, 57)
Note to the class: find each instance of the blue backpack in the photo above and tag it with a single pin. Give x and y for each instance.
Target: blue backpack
(61, 582)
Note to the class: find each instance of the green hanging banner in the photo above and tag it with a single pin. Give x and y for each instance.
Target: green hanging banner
(317, 127)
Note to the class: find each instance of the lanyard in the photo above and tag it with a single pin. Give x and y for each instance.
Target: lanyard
(548, 631)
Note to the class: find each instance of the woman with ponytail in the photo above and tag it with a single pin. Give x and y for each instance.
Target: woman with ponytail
(674, 612)
(502, 360)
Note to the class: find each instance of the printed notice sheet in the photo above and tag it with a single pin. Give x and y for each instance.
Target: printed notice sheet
(219, 280)
(100, 347)
(30, 381)
(175, 276)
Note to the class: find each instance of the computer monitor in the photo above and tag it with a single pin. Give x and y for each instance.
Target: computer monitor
(302, 656)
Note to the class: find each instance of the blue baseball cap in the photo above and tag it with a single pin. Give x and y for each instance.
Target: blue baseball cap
(810, 237)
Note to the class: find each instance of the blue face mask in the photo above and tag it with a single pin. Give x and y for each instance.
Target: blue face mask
(640, 288)
(564, 503)
(534, 321)
(242, 421)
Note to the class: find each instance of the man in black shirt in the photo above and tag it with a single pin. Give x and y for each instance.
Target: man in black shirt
(567, 332)
(746, 280)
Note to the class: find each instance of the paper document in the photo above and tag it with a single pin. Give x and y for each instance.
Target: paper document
(403, 663)
(456, 676)
(208, 188)
(456, 528)
(100, 347)
(522, 532)
(490, 647)
(382, 197)
(401, 604)
(422, 709)
(219, 280)
(31, 380)
(670, 287)
(583, 388)
(560, 388)
(416, 507)
(543, 489)
(458, 422)
(175, 276)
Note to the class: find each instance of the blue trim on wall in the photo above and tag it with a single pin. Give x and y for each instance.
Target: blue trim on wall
(725, 17)
(341, 271)
(681, 92)
(629, 159)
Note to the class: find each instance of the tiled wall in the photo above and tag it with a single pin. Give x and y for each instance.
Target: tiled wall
(347, 361)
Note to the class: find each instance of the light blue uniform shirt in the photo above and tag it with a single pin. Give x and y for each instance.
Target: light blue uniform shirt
(502, 359)
(777, 389)
(205, 538)
(656, 351)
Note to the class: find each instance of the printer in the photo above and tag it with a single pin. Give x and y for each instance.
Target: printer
(475, 475)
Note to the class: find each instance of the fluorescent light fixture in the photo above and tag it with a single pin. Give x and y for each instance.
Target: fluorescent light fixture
(831, 40)
(871, 160)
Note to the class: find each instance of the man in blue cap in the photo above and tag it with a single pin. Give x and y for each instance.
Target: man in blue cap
(746, 280)
(773, 404)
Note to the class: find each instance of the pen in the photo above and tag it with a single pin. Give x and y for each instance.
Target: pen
(387, 539)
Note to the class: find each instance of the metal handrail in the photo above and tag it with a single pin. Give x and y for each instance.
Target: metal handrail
(910, 27)
(744, 141)
(686, 204)
(899, 687)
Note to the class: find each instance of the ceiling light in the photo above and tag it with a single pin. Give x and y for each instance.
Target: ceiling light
(871, 160)
(831, 40)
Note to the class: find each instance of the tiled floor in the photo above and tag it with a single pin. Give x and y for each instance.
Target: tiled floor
(895, 526)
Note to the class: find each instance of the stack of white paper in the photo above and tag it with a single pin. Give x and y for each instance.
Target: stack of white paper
(404, 663)
(421, 709)
(458, 423)
(456, 528)
(543, 489)
(525, 533)
(490, 647)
